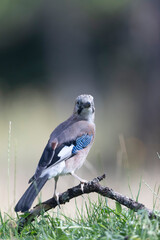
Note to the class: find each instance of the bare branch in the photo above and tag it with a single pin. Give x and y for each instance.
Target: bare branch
(91, 186)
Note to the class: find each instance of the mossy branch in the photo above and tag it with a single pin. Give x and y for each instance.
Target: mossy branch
(89, 187)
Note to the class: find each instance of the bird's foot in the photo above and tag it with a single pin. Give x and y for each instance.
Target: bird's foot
(82, 182)
(56, 196)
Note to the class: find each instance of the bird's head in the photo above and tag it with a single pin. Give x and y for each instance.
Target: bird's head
(84, 107)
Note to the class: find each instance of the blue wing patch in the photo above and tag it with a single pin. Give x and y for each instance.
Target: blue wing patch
(82, 142)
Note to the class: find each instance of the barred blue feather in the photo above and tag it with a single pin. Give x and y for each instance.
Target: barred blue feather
(82, 142)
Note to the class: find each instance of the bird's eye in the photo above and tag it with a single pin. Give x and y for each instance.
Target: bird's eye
(78, 102)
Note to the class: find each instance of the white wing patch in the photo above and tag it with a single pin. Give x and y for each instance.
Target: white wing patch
(65, 153)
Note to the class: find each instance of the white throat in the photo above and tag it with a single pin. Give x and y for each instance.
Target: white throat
(88, 115)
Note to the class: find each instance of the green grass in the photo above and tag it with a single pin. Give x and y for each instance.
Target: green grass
(95, 221)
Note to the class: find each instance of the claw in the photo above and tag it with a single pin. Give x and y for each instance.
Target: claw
(82, 184)
(56, 196)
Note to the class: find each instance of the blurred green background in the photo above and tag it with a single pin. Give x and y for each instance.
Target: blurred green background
(53, 51)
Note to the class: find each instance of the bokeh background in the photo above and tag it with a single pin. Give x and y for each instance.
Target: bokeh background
(53, 51)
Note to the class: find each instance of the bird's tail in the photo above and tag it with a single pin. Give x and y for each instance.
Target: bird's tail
(30, 194)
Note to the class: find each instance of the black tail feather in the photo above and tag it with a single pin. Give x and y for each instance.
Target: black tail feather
(30, 194)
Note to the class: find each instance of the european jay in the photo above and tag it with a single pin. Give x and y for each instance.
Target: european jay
(65, 152)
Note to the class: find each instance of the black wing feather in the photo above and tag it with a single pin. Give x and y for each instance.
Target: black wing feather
(44, 161)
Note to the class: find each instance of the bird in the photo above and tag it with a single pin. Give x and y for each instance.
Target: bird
(65, 152)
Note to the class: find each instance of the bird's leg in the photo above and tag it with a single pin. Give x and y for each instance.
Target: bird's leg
(82, 181)
(56, 195)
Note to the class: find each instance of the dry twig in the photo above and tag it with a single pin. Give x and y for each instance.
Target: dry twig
(91, 186)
